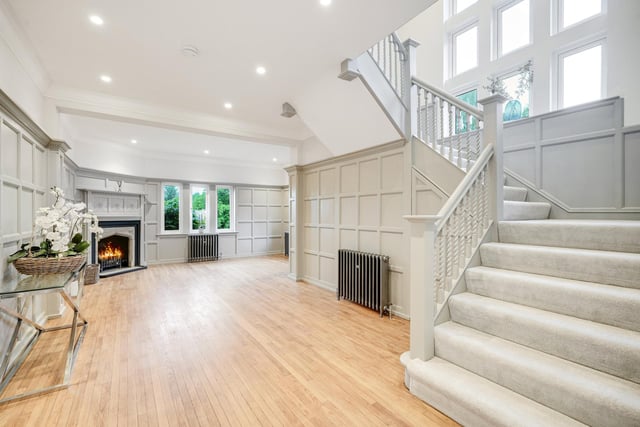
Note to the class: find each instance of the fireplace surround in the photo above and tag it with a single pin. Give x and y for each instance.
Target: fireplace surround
(118, 250)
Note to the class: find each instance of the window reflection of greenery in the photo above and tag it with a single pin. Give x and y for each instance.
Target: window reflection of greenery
(199, 210)
(471, 98)
(171, 208)
(224, 209)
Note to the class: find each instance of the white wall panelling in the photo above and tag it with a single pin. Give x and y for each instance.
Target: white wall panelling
(354, 202)
(581, 158)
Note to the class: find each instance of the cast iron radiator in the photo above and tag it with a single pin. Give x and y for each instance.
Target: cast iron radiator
(202, 247)
(363, 278)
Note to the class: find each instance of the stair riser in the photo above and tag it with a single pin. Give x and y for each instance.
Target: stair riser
(591, 266)
(598, 235)
(517, 211)
(614, 351)
(565, 390)
(517, 194)
(611, 305)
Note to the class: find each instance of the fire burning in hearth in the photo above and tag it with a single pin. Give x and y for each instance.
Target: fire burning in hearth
(110, 253)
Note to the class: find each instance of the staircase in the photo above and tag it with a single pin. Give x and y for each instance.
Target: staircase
(548, 331)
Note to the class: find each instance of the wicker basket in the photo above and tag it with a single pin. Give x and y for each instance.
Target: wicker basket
(32, 266)
(92, 274)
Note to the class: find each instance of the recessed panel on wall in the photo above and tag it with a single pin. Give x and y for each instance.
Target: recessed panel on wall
(368, 241)
(132, 205)
(274, 244)
(40, 167)
(260, 245)
(327, 211)
(632, 170)
(328, 240)
(349, 178)
(369, 211)
(523, 132)
(173, 249)
(9, 209)
(329, 270)
(243, 196)
(226, 245)
(522, 162)
(348, 211)
(10, 144)
(311, 266)
(275, 213)
(311, 184)
(99, 204)
(245, 246)
(275, 229)
(151, 252)
(259, 197)
(259, 213)
(311, 239)
(348, 240)
(391, 210)
(292, 212)
(243, 213)
(151, 231)
(40, 200)
(398, 296)
(26, 208)
(152, 213)
(259, 229)
(151, 193)
(244, 229)
(284, 194)
(328, 182)
(581, 173)
(26, 161)
(369, 176)
(311, 211)
(392, 172)
(285, 213)
(577, 122)
(274, 197)
(391, 245)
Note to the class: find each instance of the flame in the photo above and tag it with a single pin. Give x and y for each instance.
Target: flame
(109, 252)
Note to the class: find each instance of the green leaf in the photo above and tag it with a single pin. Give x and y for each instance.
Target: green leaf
(70, 252)
(38, 254)
(16, 255)
(80, 247)
(77, 238)
(24, 245)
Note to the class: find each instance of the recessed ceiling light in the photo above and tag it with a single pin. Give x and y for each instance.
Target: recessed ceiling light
(105, 78)
(261, 70)
(190, 50)
(228, 105)
(275, 160)
(96, 20)
(134, 141)
(206, 151)
(325, 2)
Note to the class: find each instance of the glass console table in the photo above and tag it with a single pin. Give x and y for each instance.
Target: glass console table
(23, 286)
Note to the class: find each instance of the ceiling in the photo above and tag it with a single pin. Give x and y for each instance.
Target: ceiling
(140, 47)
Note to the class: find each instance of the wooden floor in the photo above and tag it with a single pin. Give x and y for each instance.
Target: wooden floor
(231, 342)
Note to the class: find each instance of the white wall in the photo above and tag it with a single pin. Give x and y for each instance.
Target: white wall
(356, 202)
(21, 75)
(618, 25)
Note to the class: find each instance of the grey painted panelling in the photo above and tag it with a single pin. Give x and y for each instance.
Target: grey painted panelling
(578, 121)
(632, 169)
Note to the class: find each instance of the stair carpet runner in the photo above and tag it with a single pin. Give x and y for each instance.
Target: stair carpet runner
(548, 331)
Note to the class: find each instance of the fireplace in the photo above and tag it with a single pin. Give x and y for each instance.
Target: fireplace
(118, 250)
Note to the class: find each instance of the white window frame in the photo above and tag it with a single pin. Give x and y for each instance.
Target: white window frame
(207, 187)
(514, 72)
(498, 19)
(180, 210)
(454, 7)
(232, 209)
(453, 50)
(558, 15)
(558, 80)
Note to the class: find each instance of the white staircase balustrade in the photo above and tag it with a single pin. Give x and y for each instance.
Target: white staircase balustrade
(448, 125)
(390, 54)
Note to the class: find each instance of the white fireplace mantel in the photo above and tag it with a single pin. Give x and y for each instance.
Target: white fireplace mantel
(114, 204)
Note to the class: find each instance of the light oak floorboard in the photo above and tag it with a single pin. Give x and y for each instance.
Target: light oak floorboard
(227, 343)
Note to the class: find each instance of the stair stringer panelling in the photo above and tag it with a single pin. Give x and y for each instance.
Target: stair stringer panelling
(357, 202)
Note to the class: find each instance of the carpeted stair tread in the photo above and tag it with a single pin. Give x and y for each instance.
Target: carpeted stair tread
(606, 348)
(585, 394)
(607, 267)
(475, 401)
(613, 305)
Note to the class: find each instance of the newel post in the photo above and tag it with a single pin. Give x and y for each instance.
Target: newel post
(492, 134)
(421, 273)
(409, 91)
